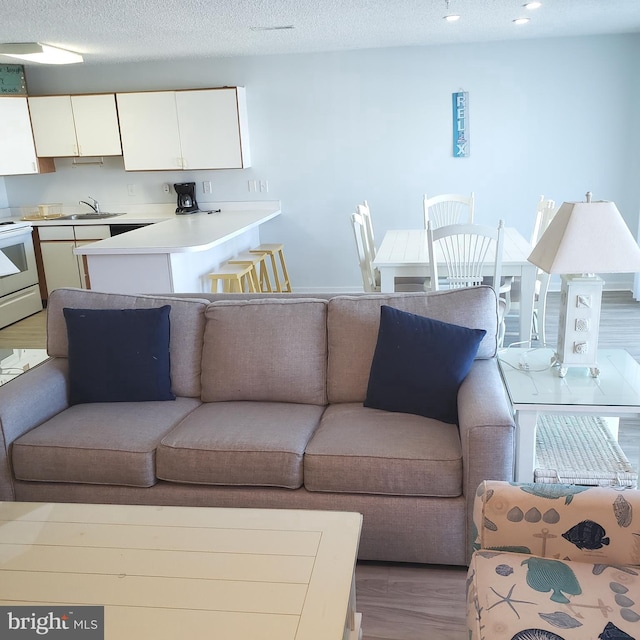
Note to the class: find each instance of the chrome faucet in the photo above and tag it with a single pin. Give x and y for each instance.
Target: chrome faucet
(95, 206)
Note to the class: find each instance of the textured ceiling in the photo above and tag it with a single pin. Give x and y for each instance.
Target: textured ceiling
(134, 30)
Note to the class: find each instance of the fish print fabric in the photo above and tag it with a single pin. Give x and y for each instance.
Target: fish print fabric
(554, 562)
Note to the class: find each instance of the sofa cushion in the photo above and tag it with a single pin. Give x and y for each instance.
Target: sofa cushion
(240, 443)
(118, 355)
(187, 329)
(269, 350)
(353, 321)
(361, 450)
(101, 443)
(419, 364)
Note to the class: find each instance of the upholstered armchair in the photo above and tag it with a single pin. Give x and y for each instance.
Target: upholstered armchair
(554, 562)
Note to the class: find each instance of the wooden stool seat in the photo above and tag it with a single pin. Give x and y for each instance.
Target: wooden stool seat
(273, 250)
(235, 278)
(259, 273)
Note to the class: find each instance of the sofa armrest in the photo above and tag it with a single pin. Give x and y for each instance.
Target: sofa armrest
(26, 402)
(487, 432)
(584, 524)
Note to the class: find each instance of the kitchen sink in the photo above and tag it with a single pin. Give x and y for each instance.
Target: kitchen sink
(91, 216)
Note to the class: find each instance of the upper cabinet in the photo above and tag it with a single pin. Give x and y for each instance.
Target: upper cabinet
(197, 129)
(17, 149)
(82, 125)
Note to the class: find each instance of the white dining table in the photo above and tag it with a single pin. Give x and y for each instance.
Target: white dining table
(404, 253)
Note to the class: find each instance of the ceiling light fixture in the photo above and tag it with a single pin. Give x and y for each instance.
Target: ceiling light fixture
(37, 52)
(521, 20)
(450, 17)
(532, 5)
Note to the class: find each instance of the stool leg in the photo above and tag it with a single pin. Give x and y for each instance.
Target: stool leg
(254, 281)
(265, 281)
(285, 273)
(249, 283)
(276, 277)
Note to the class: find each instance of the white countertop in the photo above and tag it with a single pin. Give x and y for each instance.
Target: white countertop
(185, 233)
(170, 233)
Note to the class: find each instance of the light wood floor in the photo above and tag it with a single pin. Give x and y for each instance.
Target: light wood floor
(427, 602)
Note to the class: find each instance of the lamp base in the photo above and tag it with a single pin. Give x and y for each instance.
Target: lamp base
(579, 323)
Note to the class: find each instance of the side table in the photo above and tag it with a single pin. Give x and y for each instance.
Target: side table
(535, 387)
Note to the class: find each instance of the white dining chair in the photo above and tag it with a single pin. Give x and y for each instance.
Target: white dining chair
(448, 208)
(362, 224)
(370, 279)
(467, 251)
(544, 215)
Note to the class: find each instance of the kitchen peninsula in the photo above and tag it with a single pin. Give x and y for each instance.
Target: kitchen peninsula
(176, 254)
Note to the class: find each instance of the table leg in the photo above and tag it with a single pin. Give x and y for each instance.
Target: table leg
(353, 627)
(525, 445)
(387, 280)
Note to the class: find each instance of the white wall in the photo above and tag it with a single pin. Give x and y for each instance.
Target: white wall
(550, 117)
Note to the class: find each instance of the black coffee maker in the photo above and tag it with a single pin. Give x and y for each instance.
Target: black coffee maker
(186, 197)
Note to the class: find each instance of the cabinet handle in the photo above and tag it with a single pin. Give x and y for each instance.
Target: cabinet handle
(35, 168)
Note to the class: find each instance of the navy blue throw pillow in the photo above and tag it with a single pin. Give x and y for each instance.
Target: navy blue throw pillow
(419, 364)
(118, 355)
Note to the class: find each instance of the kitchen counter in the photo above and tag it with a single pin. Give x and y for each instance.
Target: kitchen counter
(185, 233)
(176, 253)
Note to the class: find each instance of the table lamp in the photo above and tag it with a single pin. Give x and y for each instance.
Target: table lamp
(584, 238)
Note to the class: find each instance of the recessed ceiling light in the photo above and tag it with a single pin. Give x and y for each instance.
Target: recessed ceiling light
(532, 5)
(521, 20)
(450, 17)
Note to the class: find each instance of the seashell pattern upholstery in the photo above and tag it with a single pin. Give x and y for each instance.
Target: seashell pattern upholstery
(554, 562)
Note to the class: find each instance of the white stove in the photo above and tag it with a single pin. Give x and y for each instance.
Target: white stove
(12, 225)
(19, 290)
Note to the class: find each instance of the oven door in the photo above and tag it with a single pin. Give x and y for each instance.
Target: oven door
(16, 246)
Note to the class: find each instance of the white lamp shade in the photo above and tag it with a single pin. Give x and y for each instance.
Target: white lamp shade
(587, 237)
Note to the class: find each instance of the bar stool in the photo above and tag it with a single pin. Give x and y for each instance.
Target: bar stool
(271, 250)
(235, 278)
(261, 282)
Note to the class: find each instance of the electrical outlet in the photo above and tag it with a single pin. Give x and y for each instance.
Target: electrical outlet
(206, 186)
(252, 185)
(264, 186)
(131, 189)
(166, 187)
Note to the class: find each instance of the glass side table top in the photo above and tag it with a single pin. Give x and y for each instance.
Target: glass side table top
(532, 382)
(13, 362)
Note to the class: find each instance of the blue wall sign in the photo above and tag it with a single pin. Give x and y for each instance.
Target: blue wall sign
(461, 124)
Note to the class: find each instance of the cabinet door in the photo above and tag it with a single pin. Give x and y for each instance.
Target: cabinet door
(96, 123)
(17, 150)
(53, 128)
(210, 129)
(60, 264)
(149, 131)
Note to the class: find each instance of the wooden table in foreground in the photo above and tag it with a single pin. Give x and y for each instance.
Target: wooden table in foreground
(186, 572)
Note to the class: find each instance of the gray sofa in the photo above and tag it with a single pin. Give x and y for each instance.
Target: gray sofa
(269, 414)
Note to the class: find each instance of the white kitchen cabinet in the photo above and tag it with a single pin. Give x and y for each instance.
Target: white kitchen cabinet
(83, 125)
(62, 268)
(17, 149)
(195, 129)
